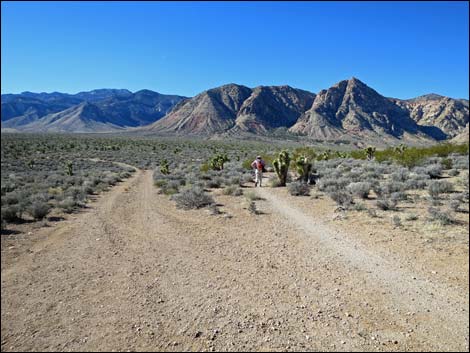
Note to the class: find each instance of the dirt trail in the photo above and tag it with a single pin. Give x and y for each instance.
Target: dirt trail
(134, 273)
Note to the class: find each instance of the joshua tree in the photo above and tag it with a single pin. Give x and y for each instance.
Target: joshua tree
(217, 162)
(370, 152)
(324, 156)
(164, 167)
(69, 168)
(401, 148)
(304, 168)
(281, 166)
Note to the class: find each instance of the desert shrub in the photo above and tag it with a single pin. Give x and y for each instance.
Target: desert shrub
(398, 196)
(411, 217)
(246, 178)
(360, 189)
(396, 221)
(298, 189)
(192, 198)
(39, 209)
(214, 183)
(454, 205)
(251, 196)
(436, 188)
(441, 217)
(393, 186)
(434, 170)
(417, 182)
(446, 163)
(342, 198)
(371, 212)
(171, 188)
(401, 175)
(386, 204)
(274, 183)
(232, 190)
(252, 208)
(68, 205)
(234, 180)
(332, 184)
(160, 182)
(453, 172)
(10, 213)
(359, 206)
(460, 162)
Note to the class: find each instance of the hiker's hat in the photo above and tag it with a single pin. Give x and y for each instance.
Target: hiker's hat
(258, 157)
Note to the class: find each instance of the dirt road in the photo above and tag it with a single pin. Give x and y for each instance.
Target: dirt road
(134, 273)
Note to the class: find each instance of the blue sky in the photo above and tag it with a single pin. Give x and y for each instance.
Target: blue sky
(401, 49)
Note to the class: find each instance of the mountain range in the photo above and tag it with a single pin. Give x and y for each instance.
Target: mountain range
(349, 109)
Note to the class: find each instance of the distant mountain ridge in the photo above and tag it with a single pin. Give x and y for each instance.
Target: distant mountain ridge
(116, 108)
(348, 109)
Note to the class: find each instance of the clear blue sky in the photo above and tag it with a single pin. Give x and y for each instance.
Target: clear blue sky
(401, 49)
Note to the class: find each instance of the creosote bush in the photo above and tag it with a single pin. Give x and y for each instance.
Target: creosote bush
(192, 198)
(299, 189)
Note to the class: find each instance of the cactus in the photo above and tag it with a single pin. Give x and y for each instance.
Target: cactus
(69, 168)
(324, 156)
(281, 166)
(400, 149)
(217, 162)
(164, 167)
(370, 152)
(304, 168)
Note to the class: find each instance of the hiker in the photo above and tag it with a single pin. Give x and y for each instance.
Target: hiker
(258, 166)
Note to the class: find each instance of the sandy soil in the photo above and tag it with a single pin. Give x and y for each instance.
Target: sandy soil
(132, 272)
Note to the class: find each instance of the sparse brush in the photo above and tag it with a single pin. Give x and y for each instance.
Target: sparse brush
(252, 208)
(359, 207)
(386, 204)
(371, 212)
(360, 189)
(214, 209)
(441, 217)
(342, 198)
(396, 221)
(10, 213)
(39, 209)
(192, 199)
(454, 205)
(436, 188)
(299, 189)
(232, 190)
(251, 196)
(411, 217)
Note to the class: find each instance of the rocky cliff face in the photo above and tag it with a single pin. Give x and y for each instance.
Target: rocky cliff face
(236, 107)
(270, 107)
(210, 112)
(433, 111)
(351, 107)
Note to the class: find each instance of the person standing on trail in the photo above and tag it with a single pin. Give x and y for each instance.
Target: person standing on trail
(258, 166)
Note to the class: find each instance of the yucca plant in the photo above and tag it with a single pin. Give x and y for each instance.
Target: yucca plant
(281, 166)
(304, 168)
(370, 152)
(164, 167)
